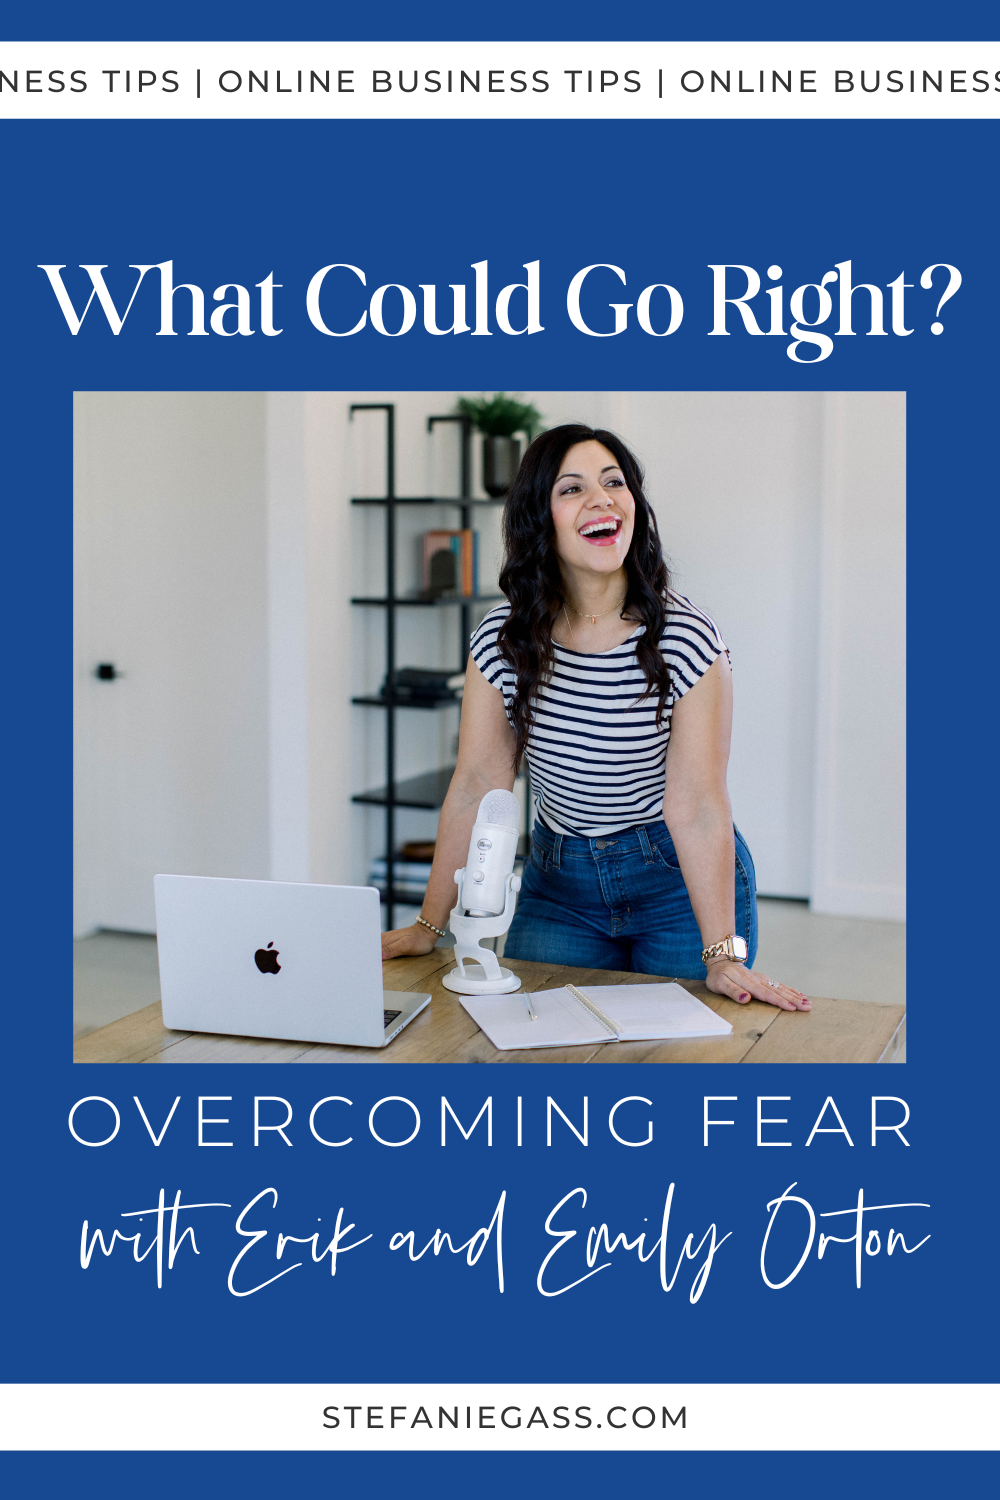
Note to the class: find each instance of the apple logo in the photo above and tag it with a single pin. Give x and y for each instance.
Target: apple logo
(267, 960)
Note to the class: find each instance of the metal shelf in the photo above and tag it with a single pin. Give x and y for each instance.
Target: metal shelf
(400, 898)
(415, 601)
(374, 700)
(427, 791)
(455, 500)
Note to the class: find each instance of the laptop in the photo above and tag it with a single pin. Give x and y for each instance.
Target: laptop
(275, 959)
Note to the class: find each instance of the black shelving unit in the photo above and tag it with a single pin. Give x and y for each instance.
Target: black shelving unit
(416, 601)
(429, 790)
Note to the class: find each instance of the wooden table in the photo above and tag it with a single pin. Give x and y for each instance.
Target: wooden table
(834, 1031)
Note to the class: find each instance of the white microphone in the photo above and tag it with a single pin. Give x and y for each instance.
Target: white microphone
(485, 906)
(490, 861)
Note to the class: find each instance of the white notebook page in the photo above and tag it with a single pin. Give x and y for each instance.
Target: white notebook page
(562, 1021)
(648, 1011)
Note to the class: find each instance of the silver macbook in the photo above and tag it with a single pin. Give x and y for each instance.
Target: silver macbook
(269, 958)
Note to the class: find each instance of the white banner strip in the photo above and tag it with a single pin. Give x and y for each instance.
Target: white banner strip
(514, 1418)
(499, 80)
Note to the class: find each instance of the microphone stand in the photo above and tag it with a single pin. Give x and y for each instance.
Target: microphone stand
(468, 933)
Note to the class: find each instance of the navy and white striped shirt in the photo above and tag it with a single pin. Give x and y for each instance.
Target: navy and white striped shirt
(596, 756)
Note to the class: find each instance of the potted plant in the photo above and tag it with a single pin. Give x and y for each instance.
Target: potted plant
(498, 418)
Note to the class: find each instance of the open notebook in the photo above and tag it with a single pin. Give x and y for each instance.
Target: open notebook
(570, 1017)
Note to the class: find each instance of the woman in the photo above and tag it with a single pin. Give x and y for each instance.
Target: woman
(619, 693)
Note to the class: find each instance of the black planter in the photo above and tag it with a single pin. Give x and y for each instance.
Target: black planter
(501, 456)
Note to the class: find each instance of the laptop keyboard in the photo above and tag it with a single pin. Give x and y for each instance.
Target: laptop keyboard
(390, 1015)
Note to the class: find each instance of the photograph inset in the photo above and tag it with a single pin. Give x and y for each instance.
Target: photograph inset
(630, 665)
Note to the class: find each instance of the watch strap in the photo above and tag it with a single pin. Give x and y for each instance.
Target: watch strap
(724, 949)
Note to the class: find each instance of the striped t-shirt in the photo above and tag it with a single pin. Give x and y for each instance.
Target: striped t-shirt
(596, 756)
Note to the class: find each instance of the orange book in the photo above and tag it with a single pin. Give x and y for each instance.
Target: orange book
(460, 543)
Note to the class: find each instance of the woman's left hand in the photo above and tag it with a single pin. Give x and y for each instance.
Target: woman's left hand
(742, 985)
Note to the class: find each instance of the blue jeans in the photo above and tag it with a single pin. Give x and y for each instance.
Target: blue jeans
(618, 902)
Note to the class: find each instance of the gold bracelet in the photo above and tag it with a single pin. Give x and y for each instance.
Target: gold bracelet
(430, 926)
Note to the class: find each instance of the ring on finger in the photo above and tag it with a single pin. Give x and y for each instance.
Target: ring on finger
(775, 984)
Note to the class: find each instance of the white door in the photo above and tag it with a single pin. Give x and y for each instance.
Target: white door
(171, 757)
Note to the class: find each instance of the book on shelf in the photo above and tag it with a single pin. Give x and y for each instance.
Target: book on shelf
(411, 870)
(423, 685)
(409, 876)
(451, 563)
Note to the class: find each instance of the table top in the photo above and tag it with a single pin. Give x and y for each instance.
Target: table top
(834, 1031)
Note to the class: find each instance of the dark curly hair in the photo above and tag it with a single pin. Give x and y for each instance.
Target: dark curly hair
(532, 582)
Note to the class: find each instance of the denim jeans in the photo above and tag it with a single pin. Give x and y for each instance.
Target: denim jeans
(618, 902)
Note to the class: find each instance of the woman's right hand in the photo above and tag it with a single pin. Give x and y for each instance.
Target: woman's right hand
(403, 941)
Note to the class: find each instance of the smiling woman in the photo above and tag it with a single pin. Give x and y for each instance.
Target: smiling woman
(618, 692)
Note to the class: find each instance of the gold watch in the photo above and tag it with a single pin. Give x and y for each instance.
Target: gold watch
(730, 947)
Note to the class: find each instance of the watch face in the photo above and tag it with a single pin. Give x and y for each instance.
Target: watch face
(740, 949)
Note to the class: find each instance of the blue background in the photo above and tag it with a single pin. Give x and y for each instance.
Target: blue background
(229, 203)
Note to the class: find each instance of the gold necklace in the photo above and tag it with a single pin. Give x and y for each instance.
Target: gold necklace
(592, 618)
(588, 615)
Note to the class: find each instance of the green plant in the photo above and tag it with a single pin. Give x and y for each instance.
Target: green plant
(500, 415)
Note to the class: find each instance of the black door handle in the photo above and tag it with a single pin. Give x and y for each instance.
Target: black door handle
(106, 671)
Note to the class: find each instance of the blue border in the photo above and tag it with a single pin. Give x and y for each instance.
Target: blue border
(494, 1476)
(230, 202)
(447, 20)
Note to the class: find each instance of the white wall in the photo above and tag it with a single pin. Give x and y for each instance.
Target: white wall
(286, 602)
(323, 550)
(735, 482)
(171, 764)
(859, 837)
(782, 514)
(751, 491)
